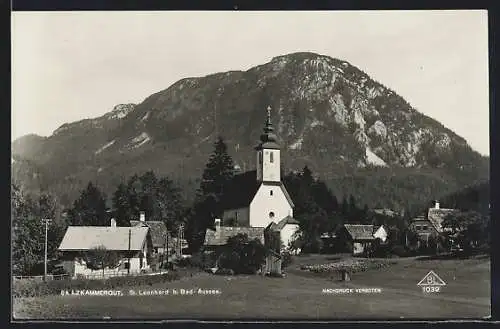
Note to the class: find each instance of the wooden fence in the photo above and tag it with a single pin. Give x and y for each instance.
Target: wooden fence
(94, 276)
(40, 277)
(100, 276)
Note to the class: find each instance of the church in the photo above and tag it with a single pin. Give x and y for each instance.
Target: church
(258, 199)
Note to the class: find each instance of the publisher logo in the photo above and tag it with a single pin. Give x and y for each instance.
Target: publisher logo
(431, 283)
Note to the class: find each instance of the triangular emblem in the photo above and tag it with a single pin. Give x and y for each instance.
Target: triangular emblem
(431, 279)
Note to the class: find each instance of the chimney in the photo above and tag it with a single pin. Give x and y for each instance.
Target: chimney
(142, 216)
(217, 223)
(113, 222)
(436, 205)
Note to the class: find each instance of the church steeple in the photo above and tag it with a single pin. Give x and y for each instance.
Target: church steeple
(268, 153)
(268, 138)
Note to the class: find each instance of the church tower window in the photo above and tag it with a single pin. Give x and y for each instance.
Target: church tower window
(271, 157)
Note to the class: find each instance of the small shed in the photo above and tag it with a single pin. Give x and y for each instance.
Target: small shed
(356, 238)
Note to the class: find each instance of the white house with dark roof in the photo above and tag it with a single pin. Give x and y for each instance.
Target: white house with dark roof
(134, 244)
(255, 199)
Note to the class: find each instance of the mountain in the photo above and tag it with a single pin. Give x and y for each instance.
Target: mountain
(356, 134)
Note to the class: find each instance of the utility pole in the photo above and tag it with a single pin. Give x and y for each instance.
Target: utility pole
(129, 238)
(46, 221)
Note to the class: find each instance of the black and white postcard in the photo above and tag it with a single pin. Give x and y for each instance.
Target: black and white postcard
(229, 165)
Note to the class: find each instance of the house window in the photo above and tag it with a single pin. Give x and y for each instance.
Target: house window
(271, 157)
(127, 265)
(417, 227)
(271, 214)
(425, 228)
(271, 192)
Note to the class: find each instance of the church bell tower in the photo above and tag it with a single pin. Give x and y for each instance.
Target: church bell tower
(268, 153)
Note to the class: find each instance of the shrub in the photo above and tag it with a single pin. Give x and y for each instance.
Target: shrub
(242, 255)
(400, 251)
(32, 288)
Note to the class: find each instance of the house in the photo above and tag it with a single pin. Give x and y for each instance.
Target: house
(258, 198)
(133, 245)
(160, 236)
(355, 238)
(386, 212)
(380, 232)
(431, 225)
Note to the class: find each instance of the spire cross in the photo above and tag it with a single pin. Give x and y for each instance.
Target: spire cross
(269, 115)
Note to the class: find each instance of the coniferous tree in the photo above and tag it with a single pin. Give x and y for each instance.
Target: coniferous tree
(90, 208)
(217, 174)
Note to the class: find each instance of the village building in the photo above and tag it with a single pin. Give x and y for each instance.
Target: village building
(133, 245)
(357, 238)
(431, 226)
(253, 200)
(160, 237)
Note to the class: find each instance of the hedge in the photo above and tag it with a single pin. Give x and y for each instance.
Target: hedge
(32, 288)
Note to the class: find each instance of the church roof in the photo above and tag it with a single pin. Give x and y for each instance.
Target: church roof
(281, 224)
(241, 190)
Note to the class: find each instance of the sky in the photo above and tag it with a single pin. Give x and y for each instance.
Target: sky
(67, 66)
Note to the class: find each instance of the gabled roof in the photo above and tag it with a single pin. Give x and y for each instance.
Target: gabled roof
(111, 238)
(240, 191)
(386, 212)
(360, 232)
(437, 216)
(158, 231)
(222, 233)
(281, 224)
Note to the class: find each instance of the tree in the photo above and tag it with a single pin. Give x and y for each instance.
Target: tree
(122, 206)
(471, 228)
(160, 199)
(100, 258)
(28, 230)
(243, 255)
(90, 208)
(207, 205)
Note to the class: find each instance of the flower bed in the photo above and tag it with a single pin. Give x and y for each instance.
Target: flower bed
(351, 266)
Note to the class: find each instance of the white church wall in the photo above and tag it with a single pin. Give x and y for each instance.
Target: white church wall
(264, 203)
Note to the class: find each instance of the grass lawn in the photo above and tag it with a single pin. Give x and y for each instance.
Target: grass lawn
(298, 296)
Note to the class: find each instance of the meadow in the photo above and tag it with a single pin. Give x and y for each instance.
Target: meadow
(300, 295)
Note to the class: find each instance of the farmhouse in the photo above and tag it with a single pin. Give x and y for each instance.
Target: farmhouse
(133, 245)
(356, 238)
(160, 236)
(431, 225)
(255, 199)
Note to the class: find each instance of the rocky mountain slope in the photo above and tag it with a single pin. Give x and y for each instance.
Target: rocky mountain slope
(329, 115)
